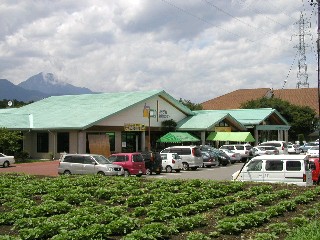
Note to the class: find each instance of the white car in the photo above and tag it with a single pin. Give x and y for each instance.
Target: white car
(313, 152)
(6, 161)
(264, 150)
(293, 149)
(234, 157)
(171, 161)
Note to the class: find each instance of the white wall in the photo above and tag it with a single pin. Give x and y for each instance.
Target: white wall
(134, 114)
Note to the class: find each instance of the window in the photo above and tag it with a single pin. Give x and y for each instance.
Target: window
(255, 166)
(73, 159)
(274, 165)
(137, 158)
(62, 142)
(293, 166)
(43, 142)
(240, 147)
(88, 160)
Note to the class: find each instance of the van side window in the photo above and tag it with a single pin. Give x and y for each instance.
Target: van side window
(185, 151)
(274, 165)
(88, 160)
(293, 165)
(240, 147)
(255, 166)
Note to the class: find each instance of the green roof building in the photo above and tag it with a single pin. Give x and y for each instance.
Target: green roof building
(125, 121)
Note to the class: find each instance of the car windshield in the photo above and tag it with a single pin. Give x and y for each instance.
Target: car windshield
(101, 159)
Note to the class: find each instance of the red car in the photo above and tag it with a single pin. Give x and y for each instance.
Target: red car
(315, 166)
(132, 163)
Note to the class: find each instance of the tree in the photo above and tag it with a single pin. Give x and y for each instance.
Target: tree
(190, 105)
(303, 120)
(10, 141)
(16, 103)
(168, 126)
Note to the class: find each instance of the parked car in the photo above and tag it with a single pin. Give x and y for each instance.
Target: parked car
(209, 159)
(315, 166)
(88, 164)
(6, 161)
(304, 148)
(243, 149)
(234, 157)
(171, 161)
(280, 145)
(132, 163)
(223, 158)
(264, 150)
(191, 156)
(293, 149)
(313, 151)
(290, 169)
(153, 162)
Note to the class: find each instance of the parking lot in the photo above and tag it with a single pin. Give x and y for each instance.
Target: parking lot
(49, 168)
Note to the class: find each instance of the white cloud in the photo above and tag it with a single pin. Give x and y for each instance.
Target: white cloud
(193, 50)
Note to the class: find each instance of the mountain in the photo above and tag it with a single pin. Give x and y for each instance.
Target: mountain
(10, 91)
(49, 84)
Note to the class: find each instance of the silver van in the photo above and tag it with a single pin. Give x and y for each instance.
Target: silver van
(290, 169)
(191, 156)
(88, 164)
(280, 145)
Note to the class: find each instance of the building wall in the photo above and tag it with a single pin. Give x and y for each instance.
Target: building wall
(135, 114)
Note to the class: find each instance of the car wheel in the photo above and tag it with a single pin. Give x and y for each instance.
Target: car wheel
(185, 166)
(177, 170)
(67, 172)
(6, 164)
(148, 171)
(168, 169)
(139, 175)
(126, 173)
(101, 173)
(209, 166)
(194, 168)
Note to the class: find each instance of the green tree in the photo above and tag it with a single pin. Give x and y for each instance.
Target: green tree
(303, 120)
(190, 105)
(16, 103)
(10, 141)
(168, 126)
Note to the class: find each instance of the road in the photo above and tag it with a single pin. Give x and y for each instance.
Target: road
(49, 168)
(214, 173)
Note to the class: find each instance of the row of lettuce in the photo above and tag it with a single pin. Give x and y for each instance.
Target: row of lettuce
(94, 207)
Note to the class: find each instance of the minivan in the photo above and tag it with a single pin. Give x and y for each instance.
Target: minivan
(132, 163)
(88, 164)
(245, 150)
(280, 145)
(290, 169)
(191, 156)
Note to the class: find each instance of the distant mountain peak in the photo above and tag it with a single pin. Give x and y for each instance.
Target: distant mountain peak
(50, 84)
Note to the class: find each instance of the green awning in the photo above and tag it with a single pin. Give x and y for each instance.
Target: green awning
(178, 137)
(231, 136)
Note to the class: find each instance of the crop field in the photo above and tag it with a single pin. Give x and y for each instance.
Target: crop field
(97, 207)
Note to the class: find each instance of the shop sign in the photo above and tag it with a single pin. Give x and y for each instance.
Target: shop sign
(163, 114)
(222, 129)
(132, 127)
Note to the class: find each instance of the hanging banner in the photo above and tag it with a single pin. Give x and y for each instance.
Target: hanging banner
(222, 129)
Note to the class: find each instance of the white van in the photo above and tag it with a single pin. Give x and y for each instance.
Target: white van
(191, 156)
(291, 169)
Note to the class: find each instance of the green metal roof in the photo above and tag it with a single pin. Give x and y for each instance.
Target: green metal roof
(251, 116)
(206, 120)
(231, 136)
(178, 137)
(81, 111)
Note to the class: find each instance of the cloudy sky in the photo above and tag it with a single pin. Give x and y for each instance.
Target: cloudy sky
(193, 49)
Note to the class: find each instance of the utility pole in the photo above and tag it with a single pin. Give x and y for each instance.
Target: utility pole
(318, 54)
